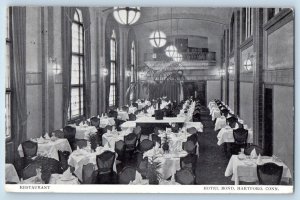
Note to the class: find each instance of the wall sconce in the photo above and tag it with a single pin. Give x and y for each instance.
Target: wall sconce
(231, 69)
(221, 72)
(248, 64)
(128, 73)
(154, 55)
(105, 72)
(56, 67)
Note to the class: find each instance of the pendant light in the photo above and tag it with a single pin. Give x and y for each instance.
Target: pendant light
(158, 38)
(171, 50)
(127, 15)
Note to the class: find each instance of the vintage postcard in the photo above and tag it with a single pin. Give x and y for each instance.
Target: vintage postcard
(148, 99)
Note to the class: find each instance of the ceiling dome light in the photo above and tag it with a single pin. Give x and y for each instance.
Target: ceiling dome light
(177, 57)
(158, 39)
(170, 51)
(127, 15)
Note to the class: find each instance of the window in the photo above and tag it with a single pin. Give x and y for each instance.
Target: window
(247, 23)
(8, 75)
(113, 74)
(272, 12)
(231, 34)
(132, 62)
(76, 109)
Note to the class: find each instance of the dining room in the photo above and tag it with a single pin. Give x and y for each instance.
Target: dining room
(149, 95)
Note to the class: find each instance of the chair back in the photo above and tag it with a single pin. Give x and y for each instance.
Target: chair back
(63, 157)
(88, 174)
(193, 138)
(185, 177)
(240, 136)
(58, 134)
(189, 146)
(105, 162)
(127, 175)
(143, 167)
(130, 140)
(156, 139)
(269, 174)
(125, 108)
(81, 143)
(232, 121)
(156, 129)
(69, 134)
(30, 170)
(135, 105)
(120, 148)
(118, 123)
(132, 117)
(191, 130)
(258, 150)
(106, 128)
(146, 145)
(189, 162)
(29, 148)
(137, 130)
(95, 121)
(113, 114)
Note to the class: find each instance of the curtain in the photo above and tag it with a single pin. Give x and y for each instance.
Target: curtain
(87, 61)
(66, 23)
(19, 73)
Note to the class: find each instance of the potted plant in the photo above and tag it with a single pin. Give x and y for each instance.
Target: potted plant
(153, 174)
(166, 146)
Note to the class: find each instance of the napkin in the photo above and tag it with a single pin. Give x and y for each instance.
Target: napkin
(81, 124)
(47, 137)
(67, 174)
(253, 154)
(259, 160)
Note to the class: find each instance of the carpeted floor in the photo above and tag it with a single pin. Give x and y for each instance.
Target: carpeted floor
(212, 161)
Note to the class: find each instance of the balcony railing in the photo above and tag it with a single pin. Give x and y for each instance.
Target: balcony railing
(186, 56)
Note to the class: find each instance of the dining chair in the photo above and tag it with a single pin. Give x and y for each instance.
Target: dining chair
(189, 146)
(130, 143)
(29, 148)
(191, 130)
(81, 143)
(113, 114)
(95, 121)
(132, 117)
(185, 177)
(142, 167)
(232, 121)
(135, 105)
(127, 175)
(63, 157)
(105, 162)
(89, 174)
(120, 149)
(258, 150)
(69, 134)
(193, 138)
(240, 136)
(118, 123)
(269, 174)
(58, 134)
(30, 170)
(146, 145)
(189, 162)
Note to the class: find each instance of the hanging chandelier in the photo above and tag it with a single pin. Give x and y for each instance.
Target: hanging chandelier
(158, 38)
(171, 50)
(127, 15)
(177, 57)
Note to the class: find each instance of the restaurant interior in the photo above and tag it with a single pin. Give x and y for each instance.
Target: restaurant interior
(149, 95)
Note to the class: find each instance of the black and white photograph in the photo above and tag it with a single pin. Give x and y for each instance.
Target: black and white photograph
(146, 99)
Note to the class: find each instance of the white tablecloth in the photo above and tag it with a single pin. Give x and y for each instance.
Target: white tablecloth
(11, 173)
(123, 115)
(128, 125)
(170, 162)
(49, 148)
(226, 135)
(82, 157)
(132, 109)
(220, 123)
(110, 138)
(241, 171)
(84, 131)
(58, 179)
(215, 113)
(105, 121)
(146, 119)
(197, 125)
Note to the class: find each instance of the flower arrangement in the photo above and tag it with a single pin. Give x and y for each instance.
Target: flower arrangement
(166, 141)
(153, 174)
